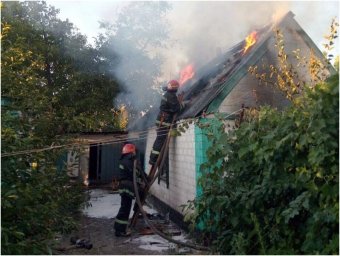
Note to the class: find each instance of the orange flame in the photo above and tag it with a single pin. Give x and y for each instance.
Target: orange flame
(250, 41)
(186, 74)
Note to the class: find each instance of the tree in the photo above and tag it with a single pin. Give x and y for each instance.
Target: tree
(275, 187)
(55, 84)
(137, 35)
(336, 63)
(75, 80)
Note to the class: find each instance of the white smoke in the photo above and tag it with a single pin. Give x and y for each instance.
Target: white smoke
(199, 31)
(202, 30)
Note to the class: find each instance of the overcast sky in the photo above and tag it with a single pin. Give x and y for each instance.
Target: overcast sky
(204, 26)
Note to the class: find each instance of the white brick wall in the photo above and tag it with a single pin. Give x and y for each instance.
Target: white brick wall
(182, 173)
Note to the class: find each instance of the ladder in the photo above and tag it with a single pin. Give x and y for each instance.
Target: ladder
(152, 174)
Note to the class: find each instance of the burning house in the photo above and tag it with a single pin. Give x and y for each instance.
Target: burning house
(224, 85)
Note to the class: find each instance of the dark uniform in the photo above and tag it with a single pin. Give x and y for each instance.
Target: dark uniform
(126, 191)
(169, 107)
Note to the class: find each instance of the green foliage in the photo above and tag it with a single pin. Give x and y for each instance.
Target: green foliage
(276, 189)
(287, 72)
(336, 63)
(37, 200)
(331, 37)
(54, 84)
(50, 71)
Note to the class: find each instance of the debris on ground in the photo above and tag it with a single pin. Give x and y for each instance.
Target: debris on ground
(96, 230)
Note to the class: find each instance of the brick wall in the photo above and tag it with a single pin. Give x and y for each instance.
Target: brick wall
(182, 173)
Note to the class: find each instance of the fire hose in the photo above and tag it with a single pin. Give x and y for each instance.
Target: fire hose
(153, 174)
(154, 229)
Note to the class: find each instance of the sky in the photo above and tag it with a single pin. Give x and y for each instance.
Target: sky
(205, 24)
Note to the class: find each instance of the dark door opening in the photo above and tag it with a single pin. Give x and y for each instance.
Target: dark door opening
(94, 164)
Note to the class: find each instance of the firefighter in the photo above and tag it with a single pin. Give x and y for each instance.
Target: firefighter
(170, 105)
(126, 188)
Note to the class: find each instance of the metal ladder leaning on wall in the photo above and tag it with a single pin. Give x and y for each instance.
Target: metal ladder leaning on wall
(153, 174)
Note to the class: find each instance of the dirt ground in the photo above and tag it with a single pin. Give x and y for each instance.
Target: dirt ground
(96, 227)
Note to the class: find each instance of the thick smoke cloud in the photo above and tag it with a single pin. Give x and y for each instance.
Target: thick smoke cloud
(203, 30)
(200, 30)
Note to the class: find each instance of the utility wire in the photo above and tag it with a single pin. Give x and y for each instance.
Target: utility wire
(139, 136)
(153, 177)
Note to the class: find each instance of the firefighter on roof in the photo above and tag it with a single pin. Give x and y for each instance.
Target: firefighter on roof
(126, 188)
(170, 105)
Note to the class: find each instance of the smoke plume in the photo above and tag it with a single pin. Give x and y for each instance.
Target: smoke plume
(202, 30)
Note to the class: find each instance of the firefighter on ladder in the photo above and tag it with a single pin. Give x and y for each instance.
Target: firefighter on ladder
(170, 105)
(126, 189)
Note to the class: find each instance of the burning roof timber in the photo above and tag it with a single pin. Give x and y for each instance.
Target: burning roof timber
(219, 77)
(214, 81)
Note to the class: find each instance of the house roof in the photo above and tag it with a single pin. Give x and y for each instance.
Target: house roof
(225, 72)
(199, 92)
(219, 77)
(215, 80)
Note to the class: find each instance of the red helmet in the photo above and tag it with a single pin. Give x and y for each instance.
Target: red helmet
(173, 85)
(129, 148)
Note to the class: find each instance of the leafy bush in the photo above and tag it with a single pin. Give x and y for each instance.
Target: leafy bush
(37, 200)
(276, 190)
(35, 205)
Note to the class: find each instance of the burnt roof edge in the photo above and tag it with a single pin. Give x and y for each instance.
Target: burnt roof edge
(240, 72)
(229, 85)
